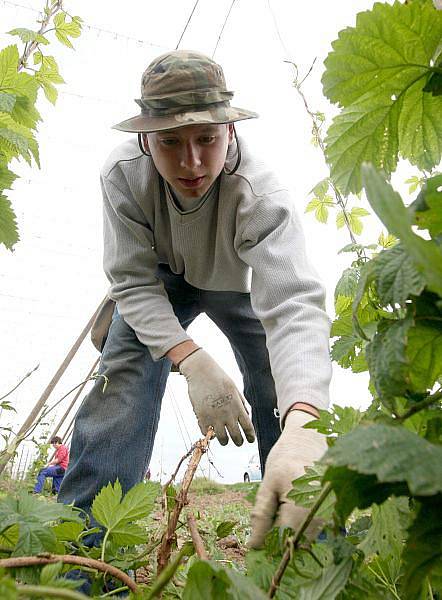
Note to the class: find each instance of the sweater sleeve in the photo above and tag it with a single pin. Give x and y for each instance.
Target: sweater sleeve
(130, 264)
(289, 300)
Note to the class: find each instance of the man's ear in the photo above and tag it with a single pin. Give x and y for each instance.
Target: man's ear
(145, 142)
(231, 132)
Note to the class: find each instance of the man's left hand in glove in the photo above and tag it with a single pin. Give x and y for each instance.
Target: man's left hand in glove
(295, 449)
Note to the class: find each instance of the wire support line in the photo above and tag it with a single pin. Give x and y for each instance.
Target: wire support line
(187, 24)
(116, 34)
(222, 28)
(176, 403)
(278, 33)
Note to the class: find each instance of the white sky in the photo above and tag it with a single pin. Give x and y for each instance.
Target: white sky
(52, 283)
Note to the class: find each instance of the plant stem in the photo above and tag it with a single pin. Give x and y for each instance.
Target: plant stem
(166, 575)
(116, 591)
(69, 559)
(420, 406)
(103, 547)
(19, 383)
(384, 582)
(196, 538)
(45, 591)
(293, 541)
(181, 500)
(29, 49)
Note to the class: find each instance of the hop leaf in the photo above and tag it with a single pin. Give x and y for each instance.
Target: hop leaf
(320, 206)
(353, 218)
(377, 72)
(64, 30)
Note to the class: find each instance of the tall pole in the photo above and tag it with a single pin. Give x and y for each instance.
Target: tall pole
(69, 408)
(12, 447)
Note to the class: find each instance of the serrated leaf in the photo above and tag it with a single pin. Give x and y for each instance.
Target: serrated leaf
(68, 531)
(319, 205)
(106, 503)
(64, 30)
(337, 420)
(128, 534)
(116, 513)
(343, 325)
(225, 528)
(27, 35)
(348, 283)
(424, 353)
(377, 71)
(307, 488)
(50, 572)
(7, 102)
(138, 503)
(396, 276)
(414, 183)
(423, 550)
(392, 455)
(330, 584)
(387, 532)
(344, 350)
(321, 188)
(359, 363)
(389, 207)
(427, 209)
(387, 360)
(208, 581)
(387, 240)
(8, 224)
(9, 58)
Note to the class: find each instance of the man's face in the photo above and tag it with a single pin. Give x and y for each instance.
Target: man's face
(190, 158)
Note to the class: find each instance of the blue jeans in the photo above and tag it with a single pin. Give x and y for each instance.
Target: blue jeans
(115, 431)
(57, 474)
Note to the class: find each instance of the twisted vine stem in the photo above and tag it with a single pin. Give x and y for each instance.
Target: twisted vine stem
(292, 542)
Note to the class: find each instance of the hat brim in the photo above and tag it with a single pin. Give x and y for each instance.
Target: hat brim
(144, 123)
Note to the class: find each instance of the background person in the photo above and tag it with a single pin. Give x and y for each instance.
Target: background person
(55, 468)
(194, 222)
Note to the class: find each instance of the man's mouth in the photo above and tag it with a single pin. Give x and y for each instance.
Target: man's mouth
(191, 182)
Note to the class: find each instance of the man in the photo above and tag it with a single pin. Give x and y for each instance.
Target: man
(55, 468)
(193, 223)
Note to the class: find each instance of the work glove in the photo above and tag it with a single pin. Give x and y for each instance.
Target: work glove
(215, 399)
(295, 449)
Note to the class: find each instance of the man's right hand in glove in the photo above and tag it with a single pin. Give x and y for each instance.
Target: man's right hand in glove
(215, 398)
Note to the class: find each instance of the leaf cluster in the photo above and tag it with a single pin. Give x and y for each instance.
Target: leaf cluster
(19, 117)
(384, 74)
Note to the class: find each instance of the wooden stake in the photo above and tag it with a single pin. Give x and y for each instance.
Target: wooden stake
(169, 536)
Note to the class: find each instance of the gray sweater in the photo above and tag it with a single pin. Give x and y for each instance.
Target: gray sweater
(247, 238)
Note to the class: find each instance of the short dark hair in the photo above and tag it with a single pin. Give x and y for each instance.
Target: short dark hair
(56, 440)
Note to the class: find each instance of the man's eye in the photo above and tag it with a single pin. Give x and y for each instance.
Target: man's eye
(207, 139)
(168, 141)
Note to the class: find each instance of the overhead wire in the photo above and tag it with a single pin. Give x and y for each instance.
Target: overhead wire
(116, 34)
(278, 33)
(222, 28)
(186, 25)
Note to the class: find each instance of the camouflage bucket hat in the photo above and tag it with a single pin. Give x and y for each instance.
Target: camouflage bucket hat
(183, 88)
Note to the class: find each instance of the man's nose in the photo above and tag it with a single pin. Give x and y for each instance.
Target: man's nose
(190, 157)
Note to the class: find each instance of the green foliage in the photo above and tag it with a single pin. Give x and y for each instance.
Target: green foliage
(378, 72)
(330, 583)
(423, 550)
(32, 517)
(117, 514)
(206, 580)
(18, 96)
(306, 490)
(388, 205)
(224, 529)
(353, 218)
